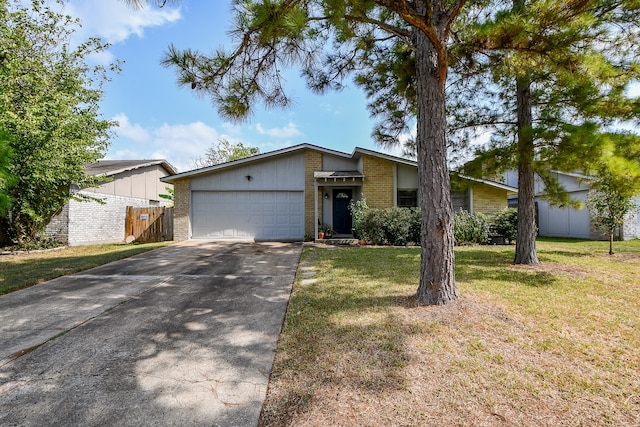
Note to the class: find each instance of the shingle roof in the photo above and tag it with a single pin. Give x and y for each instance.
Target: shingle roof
(357, 152)
(112, 167)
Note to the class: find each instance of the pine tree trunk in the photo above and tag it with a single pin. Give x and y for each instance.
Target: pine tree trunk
(437, 282)
(526, 238)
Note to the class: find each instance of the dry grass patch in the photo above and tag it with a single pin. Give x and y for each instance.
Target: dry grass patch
(557, 344)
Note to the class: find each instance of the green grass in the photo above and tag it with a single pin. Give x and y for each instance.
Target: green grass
(23, 270)
(552, 344)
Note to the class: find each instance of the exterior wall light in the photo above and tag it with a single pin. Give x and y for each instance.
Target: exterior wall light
(249, 177)
(326, 196)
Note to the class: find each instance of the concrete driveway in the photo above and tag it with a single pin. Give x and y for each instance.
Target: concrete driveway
(183, 335)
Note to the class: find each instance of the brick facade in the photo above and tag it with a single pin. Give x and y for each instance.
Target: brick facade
(381, 172)
(312, 163)
(182, 210)
(377, 187)
(488, 200)
(90, 222)
(58, 227)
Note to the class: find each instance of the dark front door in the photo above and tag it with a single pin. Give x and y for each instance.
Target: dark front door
(342, 222)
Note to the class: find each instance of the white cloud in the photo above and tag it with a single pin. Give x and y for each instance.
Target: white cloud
(179, 144)
(289, 131)
(134, 132)
(114, 21)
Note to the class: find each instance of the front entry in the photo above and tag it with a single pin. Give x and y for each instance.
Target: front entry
(342, 221)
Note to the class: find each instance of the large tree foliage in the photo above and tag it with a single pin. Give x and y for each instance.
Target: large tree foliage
(49, 107)
(545, 78)
(331, 40)
(6, 179)
(225, 151)
(549, 80)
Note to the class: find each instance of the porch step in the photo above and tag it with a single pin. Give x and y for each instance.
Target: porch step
(339, 241)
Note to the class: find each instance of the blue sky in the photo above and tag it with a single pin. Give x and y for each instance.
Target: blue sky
(158, 119)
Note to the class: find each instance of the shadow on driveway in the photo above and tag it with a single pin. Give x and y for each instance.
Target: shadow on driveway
(185, 335)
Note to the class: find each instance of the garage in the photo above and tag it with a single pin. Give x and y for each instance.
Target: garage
(259, 215)
(565, 221)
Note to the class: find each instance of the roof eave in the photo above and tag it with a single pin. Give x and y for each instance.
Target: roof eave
(499, 185)
(163, 163)
(257, 157)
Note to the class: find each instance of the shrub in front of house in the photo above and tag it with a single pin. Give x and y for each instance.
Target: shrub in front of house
(358, 210)
(401, 226)
(394, 226)
(505, 223)
(397, 226)
(373, 226)
(470, 228)
(415, 225)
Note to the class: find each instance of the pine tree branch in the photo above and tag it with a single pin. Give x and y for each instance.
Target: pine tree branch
(400, 32)
(453, 13)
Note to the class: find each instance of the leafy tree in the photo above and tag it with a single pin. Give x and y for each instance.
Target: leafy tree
(545, 79)
(49, 106)
(169, 196)
(559, 81)
(6, 179)
(331, 40)
(616, 182)
(225, 151)
(608, 207)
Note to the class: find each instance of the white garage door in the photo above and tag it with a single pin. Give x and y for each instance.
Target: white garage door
(262, 215)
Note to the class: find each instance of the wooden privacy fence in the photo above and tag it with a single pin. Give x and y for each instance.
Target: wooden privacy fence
(152, 224)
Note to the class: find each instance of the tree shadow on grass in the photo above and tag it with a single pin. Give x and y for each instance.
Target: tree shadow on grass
(344, 338)
(401, 266)
(480, 266)
(336, 343)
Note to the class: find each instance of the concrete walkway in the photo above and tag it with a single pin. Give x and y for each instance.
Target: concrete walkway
(183, 335)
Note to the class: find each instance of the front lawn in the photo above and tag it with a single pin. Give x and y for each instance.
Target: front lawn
(23, 270)
(555, 344)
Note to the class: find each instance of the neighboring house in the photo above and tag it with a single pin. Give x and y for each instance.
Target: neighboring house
(128, 183)
(286, 194)
(554, 221)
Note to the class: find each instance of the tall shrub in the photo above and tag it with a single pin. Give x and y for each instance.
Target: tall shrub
(470, 228)
(505, 223)
(358, 210)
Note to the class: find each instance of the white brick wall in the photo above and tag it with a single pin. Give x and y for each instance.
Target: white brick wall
(94, 223)
(59, 225)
